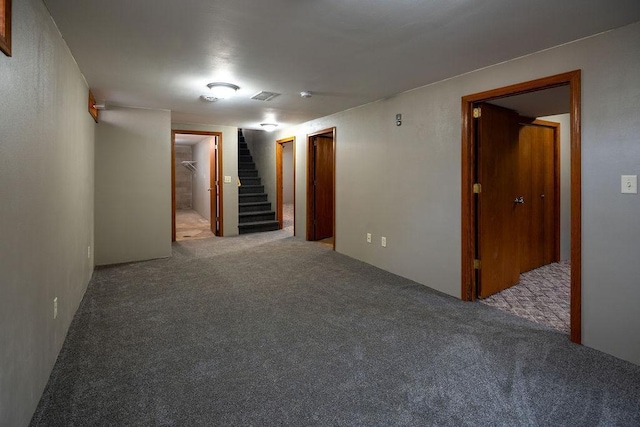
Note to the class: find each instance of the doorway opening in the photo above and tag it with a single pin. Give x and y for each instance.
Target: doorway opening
(500, 239)
(286, 183)
(321, 180)
(196, 193)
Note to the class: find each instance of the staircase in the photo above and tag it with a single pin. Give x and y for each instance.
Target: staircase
(255, 214)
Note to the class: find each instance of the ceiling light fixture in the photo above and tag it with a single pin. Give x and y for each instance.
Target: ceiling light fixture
(269, 127)
(222, 90)
(306, 94)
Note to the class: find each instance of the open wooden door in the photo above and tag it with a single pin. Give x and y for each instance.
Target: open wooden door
(214, 186)
(498, 199)
(323, 186)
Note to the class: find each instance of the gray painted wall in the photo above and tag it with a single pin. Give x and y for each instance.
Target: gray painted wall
(201, 178)
(46, 208)
(565, 183)
(133, 185)
(184, 177)
(404, 182)
(287, 173)
(229, 168)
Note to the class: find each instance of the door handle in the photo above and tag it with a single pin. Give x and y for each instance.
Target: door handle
(519, 200)
(208, 189)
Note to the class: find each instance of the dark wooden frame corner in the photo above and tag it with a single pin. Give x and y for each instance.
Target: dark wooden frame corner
(5, 27)
(92, 106)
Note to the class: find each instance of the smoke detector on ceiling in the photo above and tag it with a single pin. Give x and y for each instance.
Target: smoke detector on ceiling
(306, 94)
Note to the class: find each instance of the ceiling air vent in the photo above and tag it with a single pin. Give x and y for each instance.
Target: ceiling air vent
(264, 96)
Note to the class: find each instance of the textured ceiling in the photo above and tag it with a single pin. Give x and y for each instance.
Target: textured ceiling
(162, 53)
(546, 102)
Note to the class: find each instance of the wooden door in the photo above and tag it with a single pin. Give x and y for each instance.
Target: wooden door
(323, 186)
(497, 145)
(214, 186)
(539, 214)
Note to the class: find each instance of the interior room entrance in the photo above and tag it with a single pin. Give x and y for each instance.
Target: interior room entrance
(321, 187)
(521, 252)
(286, 183)
(196, 192)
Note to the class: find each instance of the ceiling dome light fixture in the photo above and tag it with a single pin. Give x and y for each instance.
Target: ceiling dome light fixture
(269, 127)
(222, 90)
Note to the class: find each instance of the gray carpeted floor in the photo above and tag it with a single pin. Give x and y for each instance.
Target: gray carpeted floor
(291, 333)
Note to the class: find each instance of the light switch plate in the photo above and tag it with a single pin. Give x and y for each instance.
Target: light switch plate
(629, 184)
(227, 179)
(368, 237)
(383, 242)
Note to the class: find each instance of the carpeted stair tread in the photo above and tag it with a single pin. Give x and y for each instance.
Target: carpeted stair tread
(251, 189)
(274, 221)
(252, 197)
(258, 226)
(254, 207)
(249, 215)
(245, 204)
(253, 217)
(246, 165)
(251, 180)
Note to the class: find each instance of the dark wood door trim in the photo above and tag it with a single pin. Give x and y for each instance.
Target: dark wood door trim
(310, 199)
(212, 167)
(280, 180)
(468, 283)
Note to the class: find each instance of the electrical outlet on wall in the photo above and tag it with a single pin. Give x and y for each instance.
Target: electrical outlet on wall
(368, 237)
(383, 242)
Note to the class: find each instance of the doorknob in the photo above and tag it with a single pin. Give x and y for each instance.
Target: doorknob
(208, 189)
(519, 200)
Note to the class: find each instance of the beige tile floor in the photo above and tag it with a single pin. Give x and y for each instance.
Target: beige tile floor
(191, 225)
